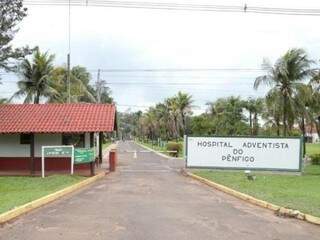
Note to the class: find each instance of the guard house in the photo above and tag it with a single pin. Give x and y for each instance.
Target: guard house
(25, 128)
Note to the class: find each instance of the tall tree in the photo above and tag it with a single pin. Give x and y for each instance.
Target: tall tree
(184, 103)
(173, 108)
(314, 104)
(11, 14)
(272, 113)
(286, 76)
(36, 78)
(80, 90)
(227, 116)
(254, 107)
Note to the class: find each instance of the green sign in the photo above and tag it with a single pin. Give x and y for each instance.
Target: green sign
(83, 155)
(57, 151)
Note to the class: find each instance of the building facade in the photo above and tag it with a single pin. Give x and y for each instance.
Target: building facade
(25, 128)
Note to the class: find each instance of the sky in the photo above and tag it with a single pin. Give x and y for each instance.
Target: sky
(117, 38)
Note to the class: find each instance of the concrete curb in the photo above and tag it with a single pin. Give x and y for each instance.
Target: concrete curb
(154, 151)
(280, 211)
(16, 212)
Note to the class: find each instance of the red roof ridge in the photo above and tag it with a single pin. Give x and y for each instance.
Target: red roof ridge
(57, 118)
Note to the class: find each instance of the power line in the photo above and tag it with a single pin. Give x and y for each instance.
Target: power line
(69, 53)
(176, 83)
(211, 69)
(180, 6)
(222, 69)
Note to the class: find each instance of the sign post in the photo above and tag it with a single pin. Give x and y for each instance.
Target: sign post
(56, 151)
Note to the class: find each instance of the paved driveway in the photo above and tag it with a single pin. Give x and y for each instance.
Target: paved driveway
(148, 199)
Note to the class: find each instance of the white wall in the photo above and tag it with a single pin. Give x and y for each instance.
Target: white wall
(46, 140)
(10, 144)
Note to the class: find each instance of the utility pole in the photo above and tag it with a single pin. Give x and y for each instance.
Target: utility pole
(68, 80)
(69, 54)
(98, 87)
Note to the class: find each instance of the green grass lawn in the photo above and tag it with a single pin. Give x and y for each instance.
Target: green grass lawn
(292, 191)
(312, 148)
(106, 144)
(16, 191)
(158, 148)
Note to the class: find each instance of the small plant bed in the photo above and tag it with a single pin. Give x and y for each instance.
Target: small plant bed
(312, 148)
(16, 191)
(287, 190)
(164, 148)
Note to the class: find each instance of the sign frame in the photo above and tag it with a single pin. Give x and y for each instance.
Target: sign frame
(243, 168)
(43, 157)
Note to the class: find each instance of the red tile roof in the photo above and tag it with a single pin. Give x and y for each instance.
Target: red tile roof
(57, 118)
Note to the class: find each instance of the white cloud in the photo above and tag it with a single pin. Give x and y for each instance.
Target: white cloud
(131, 38)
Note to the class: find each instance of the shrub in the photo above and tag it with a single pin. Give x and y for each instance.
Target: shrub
(315, 159)
(174, 146)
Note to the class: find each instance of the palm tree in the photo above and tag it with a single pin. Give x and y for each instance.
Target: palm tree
(254, 107)
(285, 77)
(302, 101)
(173, 108)
(80, 89)
(163, 117)
(272, 113)
(35, 78)
(184, 101)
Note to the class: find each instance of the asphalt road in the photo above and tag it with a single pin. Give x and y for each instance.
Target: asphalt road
(147, 198)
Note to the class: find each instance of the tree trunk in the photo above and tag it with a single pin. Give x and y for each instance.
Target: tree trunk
(183, 124)
(303, 128)
(175, 120)
(255, 124)
(250, 120)
(278, 127)
(285, 116)
(37, 98)
(317, 123)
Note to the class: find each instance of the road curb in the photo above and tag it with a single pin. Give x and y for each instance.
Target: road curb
(16, 212)
(154, 151)
(280, 211)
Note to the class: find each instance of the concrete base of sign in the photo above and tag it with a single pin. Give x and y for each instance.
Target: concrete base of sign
(14, 213)
(280, 211)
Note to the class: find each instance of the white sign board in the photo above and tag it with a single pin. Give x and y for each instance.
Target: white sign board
(244, 153)
(56, 151)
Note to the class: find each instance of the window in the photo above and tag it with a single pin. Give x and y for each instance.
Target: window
(25, 138)
(77, 140)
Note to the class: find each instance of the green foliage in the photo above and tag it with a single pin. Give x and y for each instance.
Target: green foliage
(228, 117)
(286, 78)
(12, 13)
(80, 90)
(315, 159)
(35, 78)
(202, 125)
(3, 100)
(174, 146)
